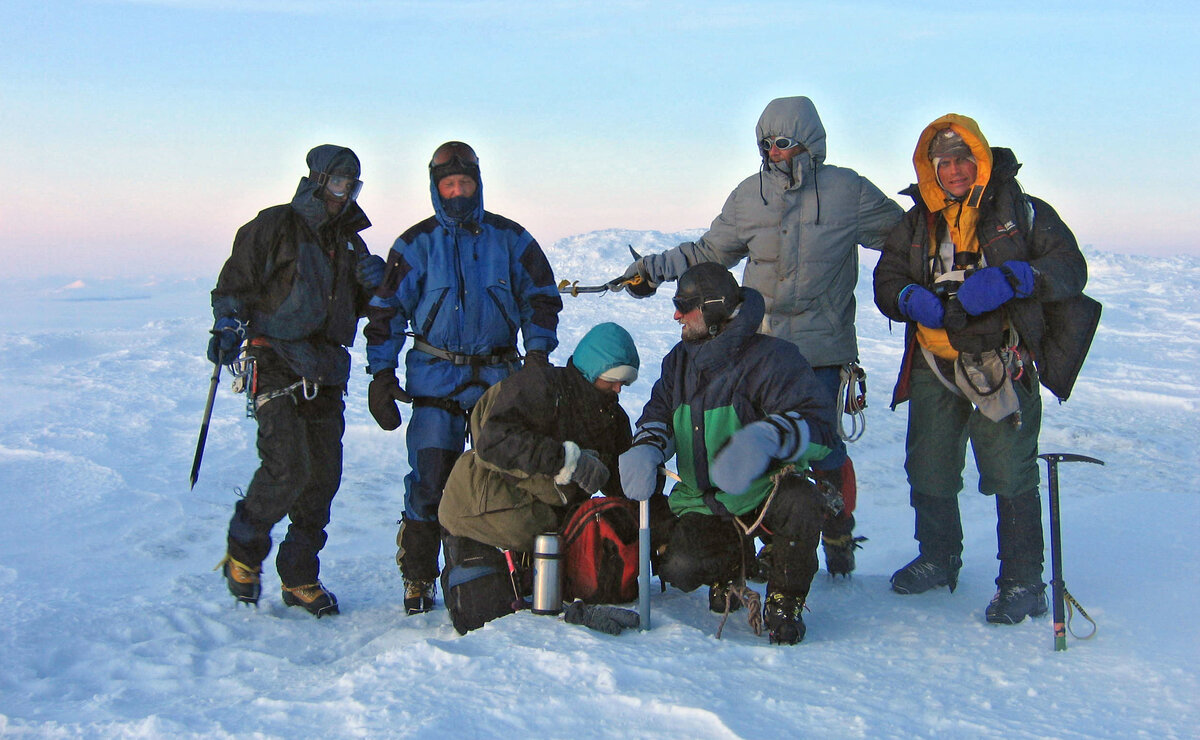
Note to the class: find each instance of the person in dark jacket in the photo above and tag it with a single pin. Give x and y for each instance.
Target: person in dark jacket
(971, 271)
(798, 223)
(735, 408)
(545, 439)
(294, 288)
(461, 283)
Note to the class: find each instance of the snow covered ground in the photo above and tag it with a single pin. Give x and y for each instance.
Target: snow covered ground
(113, 623)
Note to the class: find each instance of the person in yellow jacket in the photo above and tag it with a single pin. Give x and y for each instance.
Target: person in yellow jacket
(970, 270)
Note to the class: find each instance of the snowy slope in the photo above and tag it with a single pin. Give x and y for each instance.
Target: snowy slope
(115, 625)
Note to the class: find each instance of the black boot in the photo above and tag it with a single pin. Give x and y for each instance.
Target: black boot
(839, 543)
(782, 615)
(939, 533)
(1020, 591)
(720, 600)
(244, 581)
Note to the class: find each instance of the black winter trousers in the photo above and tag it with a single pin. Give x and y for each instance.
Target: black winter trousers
(708, 549)
(300, 448)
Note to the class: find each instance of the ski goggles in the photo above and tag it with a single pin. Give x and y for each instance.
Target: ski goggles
(687, 304)
(341, 186)
(779, 142)
(451, 151)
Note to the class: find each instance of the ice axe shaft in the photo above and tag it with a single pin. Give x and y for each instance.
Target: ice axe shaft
(644, 565)
(212, 394)
(1057, 587)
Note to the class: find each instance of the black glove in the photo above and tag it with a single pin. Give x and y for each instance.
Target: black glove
(537, 358)
(635, 281)
(608, 619)
(589, 474)
(382, 395)
(369, 272)
(227, 336)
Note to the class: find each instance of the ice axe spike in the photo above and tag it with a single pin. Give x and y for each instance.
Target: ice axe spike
(1058, 588)
(574, 288)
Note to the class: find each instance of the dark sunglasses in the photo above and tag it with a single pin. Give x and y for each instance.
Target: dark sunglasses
(779, 142)
(452, 150)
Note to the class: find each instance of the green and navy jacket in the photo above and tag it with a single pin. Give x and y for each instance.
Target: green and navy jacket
(709, 390)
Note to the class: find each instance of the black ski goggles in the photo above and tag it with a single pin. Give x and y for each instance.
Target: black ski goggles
(687, 304)
(451, 151)
(779, 142)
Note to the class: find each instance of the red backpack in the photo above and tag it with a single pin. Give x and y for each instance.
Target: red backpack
(600, 547)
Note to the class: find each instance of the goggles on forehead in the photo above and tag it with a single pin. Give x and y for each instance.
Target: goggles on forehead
(341, 186)
(453, 150)
(779, 142)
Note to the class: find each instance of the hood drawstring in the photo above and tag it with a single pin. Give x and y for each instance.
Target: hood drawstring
(813, 168)
(761, 169)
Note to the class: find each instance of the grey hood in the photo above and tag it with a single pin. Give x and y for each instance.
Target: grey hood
(794, 117)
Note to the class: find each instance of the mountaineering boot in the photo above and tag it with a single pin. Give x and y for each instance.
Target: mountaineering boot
(244, 581)
(313, 597)
(1015, 601)
(924, 573)
(839, 553)
(939, 532)
(418, 596)
(783, 618)
(718, 597)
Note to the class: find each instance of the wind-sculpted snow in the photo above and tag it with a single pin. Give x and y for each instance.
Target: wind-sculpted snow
(115, 625)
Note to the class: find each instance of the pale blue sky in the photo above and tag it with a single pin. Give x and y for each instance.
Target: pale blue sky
(138, 135)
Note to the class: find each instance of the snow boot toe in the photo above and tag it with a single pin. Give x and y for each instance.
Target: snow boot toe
(1015, 601)
(313, 597)
(923, 574)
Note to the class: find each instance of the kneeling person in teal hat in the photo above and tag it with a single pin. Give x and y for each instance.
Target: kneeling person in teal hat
(545, 439)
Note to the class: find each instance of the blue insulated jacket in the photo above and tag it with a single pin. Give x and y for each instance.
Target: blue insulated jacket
(709, 390)
(465, 287)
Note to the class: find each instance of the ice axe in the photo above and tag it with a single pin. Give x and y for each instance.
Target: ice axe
(212, 394)
(573, 288)
(1058, 588)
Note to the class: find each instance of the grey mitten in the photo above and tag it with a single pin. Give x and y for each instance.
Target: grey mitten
(610, 620)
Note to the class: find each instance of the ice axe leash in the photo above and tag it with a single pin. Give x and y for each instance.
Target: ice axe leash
(212, 394)
(1062, 619)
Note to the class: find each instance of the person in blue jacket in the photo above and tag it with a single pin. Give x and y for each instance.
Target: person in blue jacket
(461, 284)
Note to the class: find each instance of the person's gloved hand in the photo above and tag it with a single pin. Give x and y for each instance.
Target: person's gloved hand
(227, 336)
(537, 358)
(369, 271)
(922, 306)
(635, 281)
(602, 618)
(382, 395)
(751, 450)
(589, 474)
(639, 471)
(992, 287)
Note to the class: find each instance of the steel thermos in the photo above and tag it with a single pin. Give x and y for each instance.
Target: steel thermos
(547, 574)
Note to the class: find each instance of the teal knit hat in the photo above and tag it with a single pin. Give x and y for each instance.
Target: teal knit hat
(607, 352)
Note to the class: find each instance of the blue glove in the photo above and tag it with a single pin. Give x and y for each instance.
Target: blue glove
(369, 271)
(639, 471)
(227, 336)
(635, 281)
(922, 306)
(992, 287)
(610, 620)
(752, 449)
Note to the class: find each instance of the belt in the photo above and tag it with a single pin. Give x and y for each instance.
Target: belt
(497, 358)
